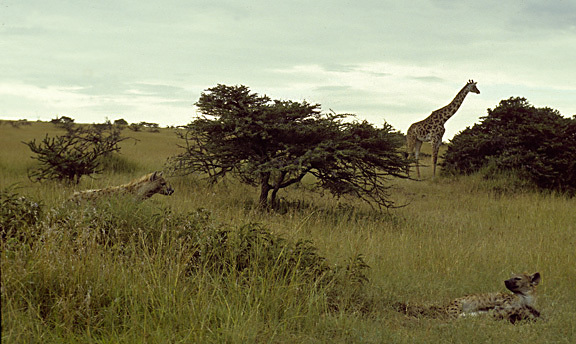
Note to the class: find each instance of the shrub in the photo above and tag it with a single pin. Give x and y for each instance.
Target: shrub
(105, 267)
(252, 254)
(63, 122)
(152, 127)
(135, 127)
(77, 153)
(16, 124)
(17, 214)
(111, 222)
(537, 144)
(251, 250)
(121, 122)
(247, 255)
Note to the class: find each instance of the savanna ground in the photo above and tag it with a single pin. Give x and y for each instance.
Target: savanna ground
(456, 236)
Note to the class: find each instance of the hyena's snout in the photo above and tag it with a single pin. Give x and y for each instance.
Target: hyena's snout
(168, 190)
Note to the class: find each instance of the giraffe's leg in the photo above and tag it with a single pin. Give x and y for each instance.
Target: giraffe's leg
(417, 145)
(435, 148)
(409, 151)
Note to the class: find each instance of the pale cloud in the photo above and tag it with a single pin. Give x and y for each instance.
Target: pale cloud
(384, 60)
(380, 91)
(51, 96)
(133, 105)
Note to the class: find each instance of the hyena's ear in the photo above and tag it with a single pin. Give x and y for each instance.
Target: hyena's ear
(155, 175)
(535, 279)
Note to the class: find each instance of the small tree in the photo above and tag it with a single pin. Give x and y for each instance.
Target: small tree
(135, 127)
(63, 122)
(537, 143)
(77, 153)
(273, 144)
(121, 122)
(152, 127)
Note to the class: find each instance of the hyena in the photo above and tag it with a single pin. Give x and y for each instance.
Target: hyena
(142, 188)
(514, 307)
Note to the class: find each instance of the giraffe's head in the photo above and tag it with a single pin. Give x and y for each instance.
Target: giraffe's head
(472, 87)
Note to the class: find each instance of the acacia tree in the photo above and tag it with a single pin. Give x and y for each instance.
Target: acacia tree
(272, 144)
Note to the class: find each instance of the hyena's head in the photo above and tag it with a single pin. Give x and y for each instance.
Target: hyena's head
(523, 284)
(157, 184)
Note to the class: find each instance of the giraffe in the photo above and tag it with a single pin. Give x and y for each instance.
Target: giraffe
(432, 129)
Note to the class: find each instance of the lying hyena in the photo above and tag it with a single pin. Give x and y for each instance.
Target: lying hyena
(514, 307)
(142, 188)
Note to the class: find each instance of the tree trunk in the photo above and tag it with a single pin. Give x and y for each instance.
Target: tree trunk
(276, 187)
(264, 190)
(273, 197)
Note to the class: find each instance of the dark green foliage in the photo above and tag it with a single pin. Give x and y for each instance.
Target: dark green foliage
(17, 124)
(18, 214)
(135, 127)
(152, 127)
(63, 122)
(537, 144)
(247, 252)
(116, 222)
(121, 122)
(272, 144)
(249, 255)
(253, 250)
(77, 153)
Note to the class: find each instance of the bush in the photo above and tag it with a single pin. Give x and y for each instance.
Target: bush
(252, 249)
(152, 127)
(64, 122)
(17, 214)
(247, 255)
(135, 127)
(537, 144)
(107, 268)
(252, 254)
(121, 122)
(77, 153)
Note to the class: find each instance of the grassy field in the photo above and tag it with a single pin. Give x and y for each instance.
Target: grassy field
(157, 272)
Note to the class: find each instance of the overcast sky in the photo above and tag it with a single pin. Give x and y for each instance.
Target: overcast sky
(383, 60)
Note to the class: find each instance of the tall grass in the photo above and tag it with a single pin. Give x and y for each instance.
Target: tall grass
(203, 265)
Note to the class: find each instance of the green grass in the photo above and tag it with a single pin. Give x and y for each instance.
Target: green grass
(121, 271)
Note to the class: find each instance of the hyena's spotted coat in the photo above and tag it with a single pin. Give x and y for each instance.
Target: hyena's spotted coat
(514, 307)
(142, 188)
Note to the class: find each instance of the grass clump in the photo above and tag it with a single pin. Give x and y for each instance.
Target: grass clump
(106, 269)
(18, 215)
(118, 164)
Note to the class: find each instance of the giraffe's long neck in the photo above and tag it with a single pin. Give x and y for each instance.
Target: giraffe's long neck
(454, 105)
